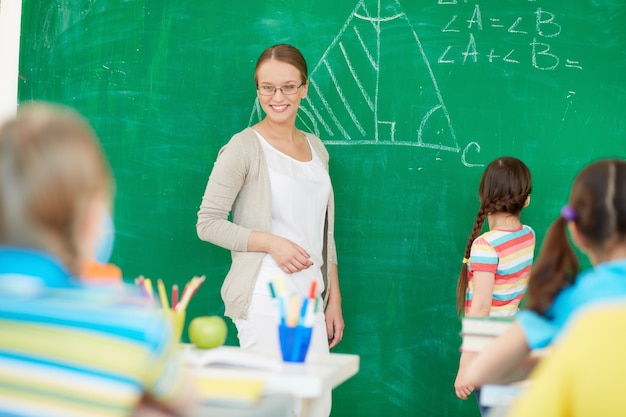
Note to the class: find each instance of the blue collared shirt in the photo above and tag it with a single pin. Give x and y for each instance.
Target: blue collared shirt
(604, 283)
(32, 265)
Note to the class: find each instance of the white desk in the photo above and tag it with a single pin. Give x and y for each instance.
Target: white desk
(309, 381)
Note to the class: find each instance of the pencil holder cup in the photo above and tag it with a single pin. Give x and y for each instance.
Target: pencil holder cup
(294, 342)
(177, 323)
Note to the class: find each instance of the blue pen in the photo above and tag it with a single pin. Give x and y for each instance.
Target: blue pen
(303, 311)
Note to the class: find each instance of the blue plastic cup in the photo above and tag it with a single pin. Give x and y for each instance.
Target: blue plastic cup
(294, 342)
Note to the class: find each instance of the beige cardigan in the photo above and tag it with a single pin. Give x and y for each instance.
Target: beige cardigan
(240, 182)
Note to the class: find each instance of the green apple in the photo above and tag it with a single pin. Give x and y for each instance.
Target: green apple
(207, 332)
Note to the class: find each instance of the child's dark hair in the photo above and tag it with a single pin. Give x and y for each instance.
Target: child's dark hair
(504, 188)
(597, 206)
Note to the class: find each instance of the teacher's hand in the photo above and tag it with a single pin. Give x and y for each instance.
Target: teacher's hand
(290, 257)
(334, 323)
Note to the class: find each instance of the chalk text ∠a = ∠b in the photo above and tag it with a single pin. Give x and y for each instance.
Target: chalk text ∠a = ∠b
(540, 52)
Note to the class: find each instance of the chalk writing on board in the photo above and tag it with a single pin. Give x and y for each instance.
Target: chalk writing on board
(533, 31)
(359, 96)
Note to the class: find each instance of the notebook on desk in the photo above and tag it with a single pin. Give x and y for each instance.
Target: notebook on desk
(231, 356)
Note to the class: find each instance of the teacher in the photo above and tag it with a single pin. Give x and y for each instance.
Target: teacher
(274, 180)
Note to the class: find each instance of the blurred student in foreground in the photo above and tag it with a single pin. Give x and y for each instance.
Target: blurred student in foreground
(584, 375)
(67, 349)
(596, 220)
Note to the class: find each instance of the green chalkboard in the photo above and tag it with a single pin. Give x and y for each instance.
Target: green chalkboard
(413, 98)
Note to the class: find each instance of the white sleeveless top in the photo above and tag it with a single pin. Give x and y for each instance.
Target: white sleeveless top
(300, 192)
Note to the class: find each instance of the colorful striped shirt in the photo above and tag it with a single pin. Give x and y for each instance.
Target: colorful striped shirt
(508, 254)
(70, 350)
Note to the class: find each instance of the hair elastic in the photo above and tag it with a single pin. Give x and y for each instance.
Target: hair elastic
(568, 213)
(465, 260)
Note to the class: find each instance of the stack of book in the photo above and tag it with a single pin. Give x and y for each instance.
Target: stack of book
(478, 332)
(217, 384)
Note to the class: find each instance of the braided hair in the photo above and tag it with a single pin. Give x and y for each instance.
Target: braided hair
(504, 188)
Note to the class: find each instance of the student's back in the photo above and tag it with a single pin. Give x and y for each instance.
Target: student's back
(497, 263)
(584, 374)
(67, 349)
(599, 285)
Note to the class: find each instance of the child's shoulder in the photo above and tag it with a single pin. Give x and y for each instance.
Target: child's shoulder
(498, 235)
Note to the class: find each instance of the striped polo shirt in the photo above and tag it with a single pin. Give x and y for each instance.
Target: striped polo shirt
(70, 350)
(508, 254)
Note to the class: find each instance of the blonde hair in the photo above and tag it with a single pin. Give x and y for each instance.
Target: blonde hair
(52, 167)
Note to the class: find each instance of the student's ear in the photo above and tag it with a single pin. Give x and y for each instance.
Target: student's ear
(527, 202)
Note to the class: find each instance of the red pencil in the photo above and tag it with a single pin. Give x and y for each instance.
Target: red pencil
(174, 296)
(313, 288)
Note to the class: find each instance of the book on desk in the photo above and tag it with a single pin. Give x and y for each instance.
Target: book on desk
(309, 380)
(478, 332)
(232, 391)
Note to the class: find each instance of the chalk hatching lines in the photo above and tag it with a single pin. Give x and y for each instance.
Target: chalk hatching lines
(363, 91)
(354, 56)
(343, 100)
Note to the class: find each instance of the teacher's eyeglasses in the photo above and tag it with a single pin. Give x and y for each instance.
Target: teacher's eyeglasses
(287, 90)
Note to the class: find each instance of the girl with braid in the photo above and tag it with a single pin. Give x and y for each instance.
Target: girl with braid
(497, 263)
(596, 220)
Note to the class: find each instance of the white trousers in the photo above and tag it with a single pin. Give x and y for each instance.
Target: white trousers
(260, 331)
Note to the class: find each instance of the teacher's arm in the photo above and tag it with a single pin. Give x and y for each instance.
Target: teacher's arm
(333, 312)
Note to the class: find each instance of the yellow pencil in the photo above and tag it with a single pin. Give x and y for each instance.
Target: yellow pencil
(294, 309)
(163, 294)
(147, 283)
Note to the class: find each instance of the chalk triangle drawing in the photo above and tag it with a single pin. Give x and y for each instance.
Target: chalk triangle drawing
(361, 94)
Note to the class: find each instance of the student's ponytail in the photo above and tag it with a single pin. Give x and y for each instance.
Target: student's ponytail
(597, 208)
(556, 267)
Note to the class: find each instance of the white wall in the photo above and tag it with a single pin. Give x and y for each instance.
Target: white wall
(10, 18)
